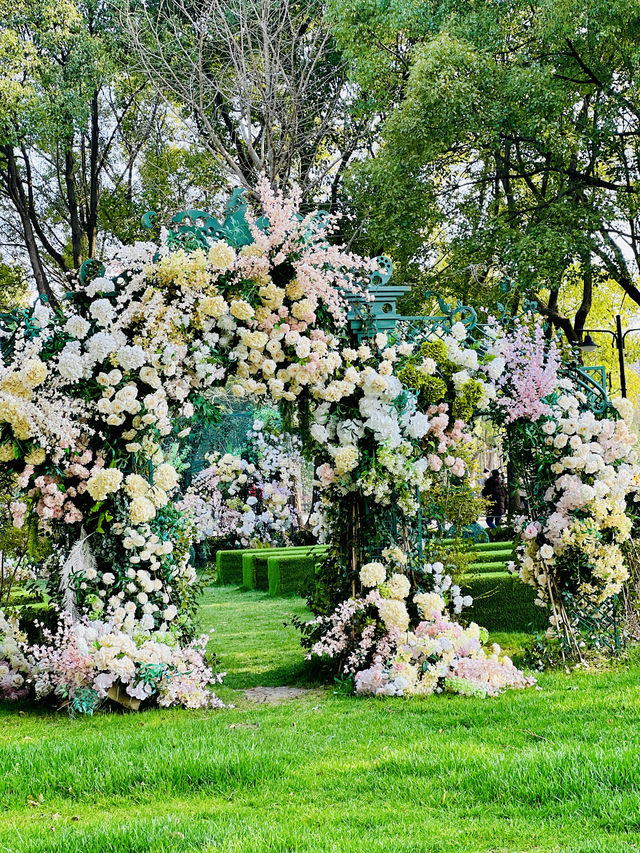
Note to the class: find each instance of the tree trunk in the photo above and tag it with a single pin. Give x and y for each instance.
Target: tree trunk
(20, 202)
(72, 201)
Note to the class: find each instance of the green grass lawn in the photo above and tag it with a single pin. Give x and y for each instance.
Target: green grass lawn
(554, 769)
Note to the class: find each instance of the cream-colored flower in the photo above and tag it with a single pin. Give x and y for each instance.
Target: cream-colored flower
(106, 481)
(394, 614)
(149, 375)
(136, 486)
(34, 372)
(165, 477)
(7, 452)
(141, 510)
(295, 290)
(303, 310)
(213, 306)
(272, 296)
(36, 457)
(221, 256)
(158, 496)
(345, 459)
(252, 251)
(241, 309)
(398, 586)
(372, 574)
(13, 383)
(430, 604)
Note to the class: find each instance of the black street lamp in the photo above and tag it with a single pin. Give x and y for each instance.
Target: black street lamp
(589, 345)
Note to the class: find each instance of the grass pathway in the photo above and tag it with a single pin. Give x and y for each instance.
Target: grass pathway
(250, 638)
(539, 771)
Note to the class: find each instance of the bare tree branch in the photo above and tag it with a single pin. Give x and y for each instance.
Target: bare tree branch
(261, 79)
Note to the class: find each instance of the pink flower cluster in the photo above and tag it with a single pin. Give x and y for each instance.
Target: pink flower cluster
(96, 656)
(53, 501)
(532, 375)
(338, 636)
(12, 683)
(323, 270)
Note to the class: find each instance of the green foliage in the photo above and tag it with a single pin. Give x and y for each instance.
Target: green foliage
(465, 404)
(509, 142)
(14, 289)
(530, 770)
(431, 388)
(455, 502)
(86, 145)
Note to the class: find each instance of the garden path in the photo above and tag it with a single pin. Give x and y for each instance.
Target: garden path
(253, 644)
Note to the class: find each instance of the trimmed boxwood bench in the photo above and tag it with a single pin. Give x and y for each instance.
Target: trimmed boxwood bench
(255, 563)
(229, 564)
(289, 574)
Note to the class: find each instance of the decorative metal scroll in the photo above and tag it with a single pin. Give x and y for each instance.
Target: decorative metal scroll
(592, 381)
(199, 229)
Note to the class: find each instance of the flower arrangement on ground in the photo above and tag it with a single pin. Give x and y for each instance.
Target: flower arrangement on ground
(84, 662)
(398, 641)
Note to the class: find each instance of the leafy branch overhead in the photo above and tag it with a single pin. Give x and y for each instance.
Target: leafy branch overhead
(510, 143)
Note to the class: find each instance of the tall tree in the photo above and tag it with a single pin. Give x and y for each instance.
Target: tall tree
(261, 80)
(511, 142)
(74, 128)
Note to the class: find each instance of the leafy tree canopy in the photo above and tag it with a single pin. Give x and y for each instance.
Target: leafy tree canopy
(510, 142)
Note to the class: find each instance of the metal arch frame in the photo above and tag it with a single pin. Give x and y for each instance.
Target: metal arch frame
(380, 315)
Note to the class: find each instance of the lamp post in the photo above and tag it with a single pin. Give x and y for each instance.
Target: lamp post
(589, 345)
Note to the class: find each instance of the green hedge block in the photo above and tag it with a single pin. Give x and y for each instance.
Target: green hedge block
(493, 546)
(289, 574)
(229, 567)
(229, 563)
(255, 564)
(502, 602)
(492, 556)
(487, 568)
(248, 580)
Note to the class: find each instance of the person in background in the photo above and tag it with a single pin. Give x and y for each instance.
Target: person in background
(495, 492)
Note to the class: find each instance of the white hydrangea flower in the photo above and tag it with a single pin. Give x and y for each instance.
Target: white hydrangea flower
(459, 331)
(398, 586)
(372, 574)
(71, 365)
(41, 316)
(77, 326)
(100, 285)
(102, 311)
(418, 425)
(496, 367)
(100, 346)
(459, 379)
(131, 357)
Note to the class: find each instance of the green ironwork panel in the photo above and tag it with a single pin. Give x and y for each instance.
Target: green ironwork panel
(597, 624)
(194, 228)
(592, 381)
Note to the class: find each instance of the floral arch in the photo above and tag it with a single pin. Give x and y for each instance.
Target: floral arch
(97, 396)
